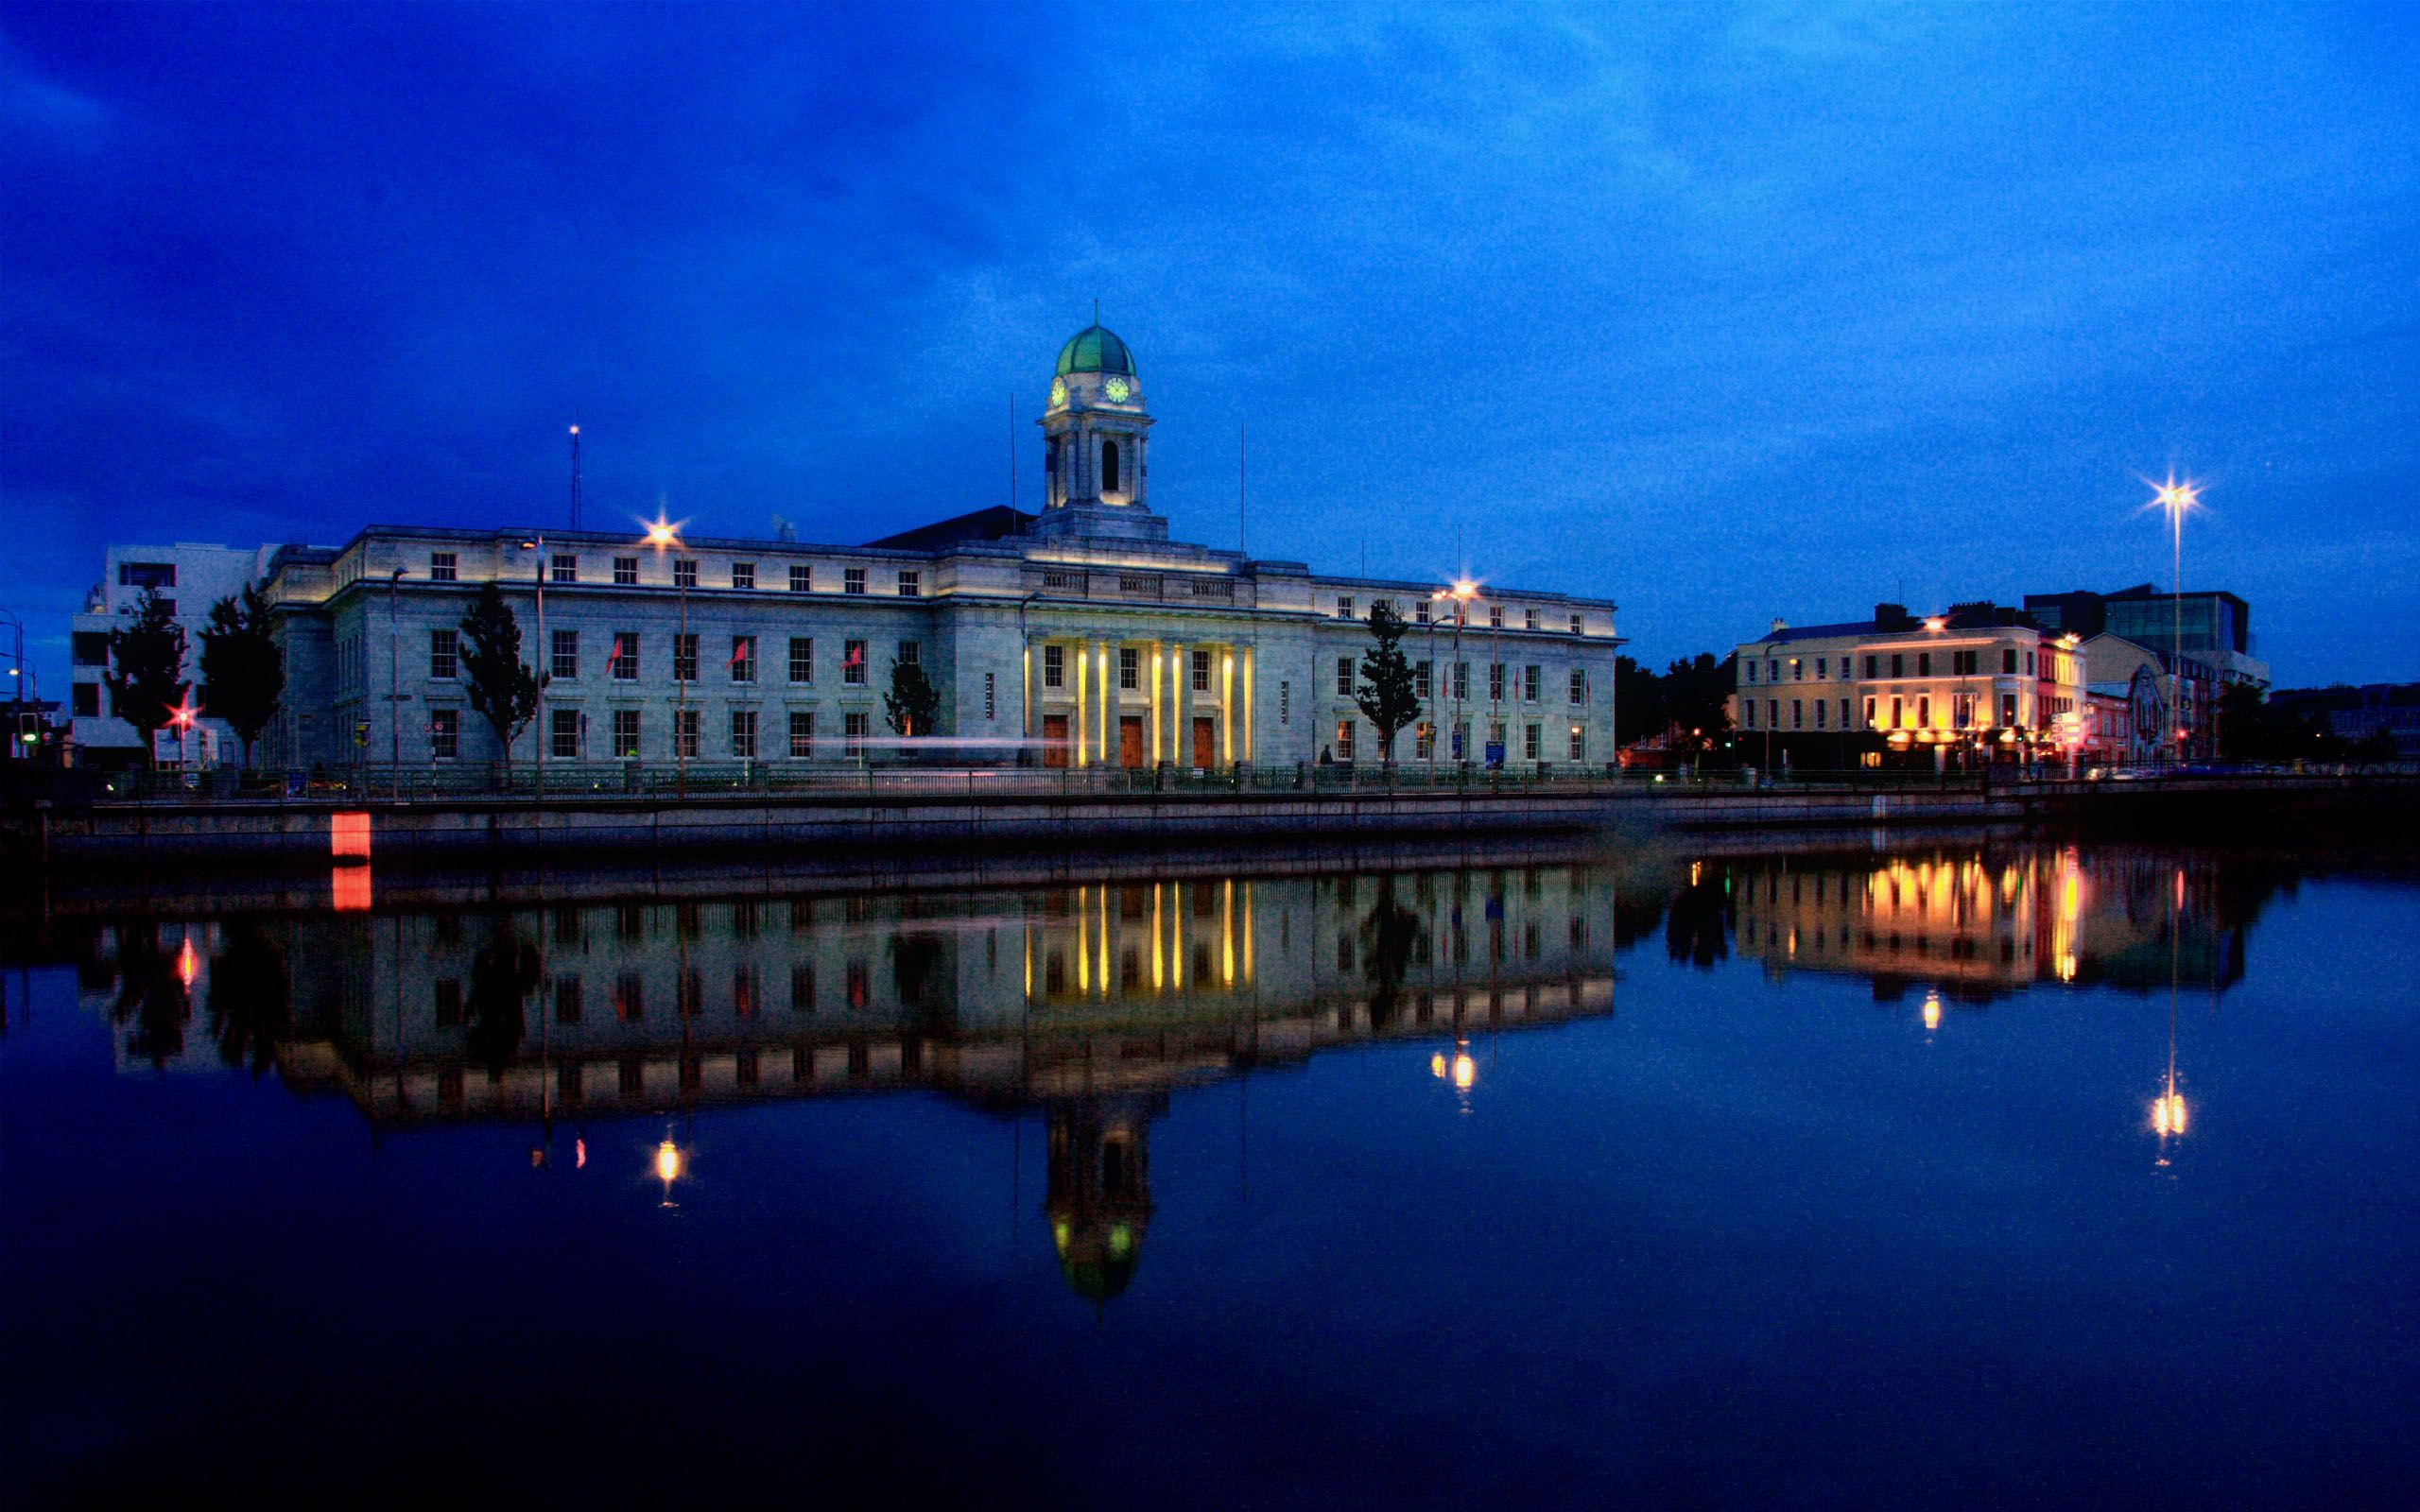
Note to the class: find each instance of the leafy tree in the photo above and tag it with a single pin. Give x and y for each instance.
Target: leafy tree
(1695, 694)
(1386, 696)
(1638, 702)
(243, 672)
(502, 688)
(146, 676)
(1389, 937)
(913, 703)
(250, 1001)
(503, 974)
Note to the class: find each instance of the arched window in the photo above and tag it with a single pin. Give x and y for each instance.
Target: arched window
(1109, 467)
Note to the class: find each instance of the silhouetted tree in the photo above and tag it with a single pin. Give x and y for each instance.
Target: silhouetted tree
(913, 704)
(1389, 937)
(1699, 928)
(1638, 702)
(249, 1005)
(1386, 696)
(1696, 690)
(501, 687)
(503, 974)
(243, 672)
(145, 675)
(150, 995)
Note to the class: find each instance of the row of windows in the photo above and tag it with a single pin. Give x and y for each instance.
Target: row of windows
(1130, 668)
(622, 659)
(1962, 711)
(445, 567)
(1530, 618)
(1960, 664)
(568, 734)
(628, 1002)
(1424, 741)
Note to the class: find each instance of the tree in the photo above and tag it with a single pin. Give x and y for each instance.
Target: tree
(146, 676)
(250, 1003)
(1386, 696)
(1638, 702)
(913, 703)
(503, 974)
(501, 687)
(243, 672)
(1696, 690)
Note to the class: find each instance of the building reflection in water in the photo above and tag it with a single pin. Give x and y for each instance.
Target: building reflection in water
(1093, 1002)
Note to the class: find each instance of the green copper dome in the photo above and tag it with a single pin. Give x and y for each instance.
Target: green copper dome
(1095, 348)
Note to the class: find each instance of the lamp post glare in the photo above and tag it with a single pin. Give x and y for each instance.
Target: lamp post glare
(2177, 499)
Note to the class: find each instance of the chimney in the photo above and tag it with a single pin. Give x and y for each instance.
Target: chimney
(1890, 616)
(1780, 625)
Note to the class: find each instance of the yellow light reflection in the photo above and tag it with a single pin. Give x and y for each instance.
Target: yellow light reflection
(1932, 1011)
(1466, 1071)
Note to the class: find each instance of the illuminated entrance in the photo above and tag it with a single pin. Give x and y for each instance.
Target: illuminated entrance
(1054, 740)
(1130, 740)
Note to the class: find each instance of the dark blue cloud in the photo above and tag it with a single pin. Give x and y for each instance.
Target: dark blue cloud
(1726, 313)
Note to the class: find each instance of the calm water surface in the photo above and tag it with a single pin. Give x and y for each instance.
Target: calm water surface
(1999, 1172)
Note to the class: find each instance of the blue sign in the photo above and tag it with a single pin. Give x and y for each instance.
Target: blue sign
(1495, 753)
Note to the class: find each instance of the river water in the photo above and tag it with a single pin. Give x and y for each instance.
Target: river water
(1884, 1173)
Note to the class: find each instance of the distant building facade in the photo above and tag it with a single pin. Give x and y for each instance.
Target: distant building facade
(1079, 635)
(1979, 680)
(2359, 714)
(191, 578)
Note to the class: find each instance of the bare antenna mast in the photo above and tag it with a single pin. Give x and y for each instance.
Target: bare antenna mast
(1241, 438)
(575, 476)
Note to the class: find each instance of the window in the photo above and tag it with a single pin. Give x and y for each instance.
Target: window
(1054, 666)
(743, 735)
(1819, 713)
(2008, 659)
(855, 727)
(802, 578)
(1749, 667)
(563, 570)
(1420, 613)
(853, 580)
(1797, 670)
(442, 568)
(1344, 678)
(743, 575)
(622, 664)
(1531, 748)
(743, 659)
(1962, 711)
(1798, 713)
(1924, 712)
(1773, 714)
(1579, 624)
(1772, 669)
(92, 648)
(852, 663)
(1423, 678)
(1528, 619)
(626, 571)
(1818, 669)
(1748, 707)
(1130, 668)
(990, 704)
(1495, 683)
(562, 738)
(1579, 751)
(444, 655)
(1869, 713)
(1285, 701)
(1461, 679)
(86, 701)
(685, 732)
(1579, 684)
(912, 654)
(1496, 616)
(1109, 467)
(563, 653)
(803, 658)
(801, 734)
(1345, 740)
(684, 572)
(1845, 714)
(1898, 713)
(445, 734)
(911, 583)
(1344, 608)
(1898, 664)
(567, 1004)
(1201, 672)
(684, 657)
(1923, 664)
(1534, 683)
(2008, 706)
(626, 735)
(2028, 663)
(1870, 665)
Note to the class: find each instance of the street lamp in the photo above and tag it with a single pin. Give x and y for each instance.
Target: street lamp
(663, 534)
(541, 656)
(2177, 499)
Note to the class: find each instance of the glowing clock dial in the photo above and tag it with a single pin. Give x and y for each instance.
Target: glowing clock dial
(1058, 392)
(1118, 390)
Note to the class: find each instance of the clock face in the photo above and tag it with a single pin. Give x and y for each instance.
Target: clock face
(1058, 392)
(1118, 390)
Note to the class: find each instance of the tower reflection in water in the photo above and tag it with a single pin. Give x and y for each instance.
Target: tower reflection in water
(1092, 1002)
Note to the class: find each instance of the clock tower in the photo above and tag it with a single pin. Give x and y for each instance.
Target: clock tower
(1096, 436)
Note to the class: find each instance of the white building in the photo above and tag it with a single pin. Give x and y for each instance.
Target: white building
(1081, 635)
(190, 577)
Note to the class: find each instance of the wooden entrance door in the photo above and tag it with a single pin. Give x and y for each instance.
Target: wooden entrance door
(1054, 740)
(1130, 740)
(1205, 742)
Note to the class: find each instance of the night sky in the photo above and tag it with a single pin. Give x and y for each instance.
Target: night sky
(1722, 312)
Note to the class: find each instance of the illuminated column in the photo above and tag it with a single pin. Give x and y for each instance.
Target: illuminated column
(1157, 746)
(1076, 727)
(1108, 702)
(1026, 673)
(1251, 746)
(1178, 752)
(1227, 708)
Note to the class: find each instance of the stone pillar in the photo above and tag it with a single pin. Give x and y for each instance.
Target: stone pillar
(1075, 724)
(1247, 744)
(1158, 746)
(1180, 680)
(1103, 674)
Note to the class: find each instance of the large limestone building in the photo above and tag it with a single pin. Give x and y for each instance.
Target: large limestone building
(1077, 635)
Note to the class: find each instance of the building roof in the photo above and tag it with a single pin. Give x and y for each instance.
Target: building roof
(997, 523)
(1095, 349)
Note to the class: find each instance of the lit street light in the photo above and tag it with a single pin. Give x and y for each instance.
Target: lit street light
(663, 534)
(2177, 499)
